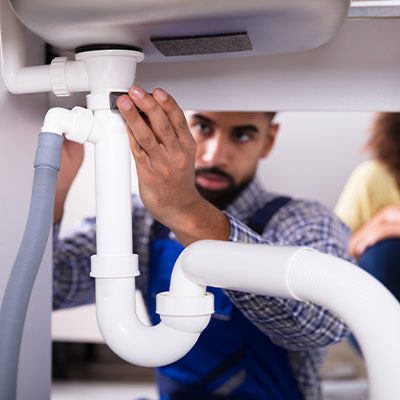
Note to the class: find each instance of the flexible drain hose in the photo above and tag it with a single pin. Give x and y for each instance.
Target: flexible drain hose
(22, 277)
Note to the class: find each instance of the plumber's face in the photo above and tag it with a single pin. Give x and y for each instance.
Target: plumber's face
(229, 146)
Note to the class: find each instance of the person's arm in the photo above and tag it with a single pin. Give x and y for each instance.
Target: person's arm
(383, 225)
(164, 153)
(71, 160)
(293, 324)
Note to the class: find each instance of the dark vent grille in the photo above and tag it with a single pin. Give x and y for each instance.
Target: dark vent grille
(202, 44)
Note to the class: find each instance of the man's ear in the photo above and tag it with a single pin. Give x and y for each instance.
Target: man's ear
(269, 143)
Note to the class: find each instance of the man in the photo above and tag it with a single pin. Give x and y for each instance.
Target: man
(189, 169)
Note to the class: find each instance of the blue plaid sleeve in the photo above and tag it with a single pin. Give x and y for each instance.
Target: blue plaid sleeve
(292, 324)
(72, 284)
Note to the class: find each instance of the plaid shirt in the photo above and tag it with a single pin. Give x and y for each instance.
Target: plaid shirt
(303, 328)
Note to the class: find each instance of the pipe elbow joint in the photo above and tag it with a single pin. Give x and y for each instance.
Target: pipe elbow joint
(76, 124)
(187, 307)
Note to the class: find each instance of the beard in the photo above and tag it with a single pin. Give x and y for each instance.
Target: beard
(224, 197)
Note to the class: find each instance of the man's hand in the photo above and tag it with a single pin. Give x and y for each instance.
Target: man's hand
(383, 225)
(164, 152)
(71, 160)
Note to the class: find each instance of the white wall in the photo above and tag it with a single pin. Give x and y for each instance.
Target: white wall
(315, 153)
(20, 120)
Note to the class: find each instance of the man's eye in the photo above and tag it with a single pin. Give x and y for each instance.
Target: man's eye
(242, 137)
(202, 128)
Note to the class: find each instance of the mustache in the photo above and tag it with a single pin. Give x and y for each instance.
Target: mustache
(215, 171)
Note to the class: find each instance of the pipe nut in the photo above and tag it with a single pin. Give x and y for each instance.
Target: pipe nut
(114, 266)
(187, 314)
(57, 76)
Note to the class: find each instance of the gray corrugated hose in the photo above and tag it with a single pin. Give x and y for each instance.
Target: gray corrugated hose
(27, 262)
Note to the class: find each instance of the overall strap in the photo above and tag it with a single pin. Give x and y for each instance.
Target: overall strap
(261, 218)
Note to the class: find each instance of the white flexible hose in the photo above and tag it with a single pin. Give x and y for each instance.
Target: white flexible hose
(369, 309)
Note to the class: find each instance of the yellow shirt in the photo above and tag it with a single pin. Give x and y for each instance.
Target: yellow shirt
(370, 187)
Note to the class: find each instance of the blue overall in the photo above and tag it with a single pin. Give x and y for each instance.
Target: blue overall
(232, 358)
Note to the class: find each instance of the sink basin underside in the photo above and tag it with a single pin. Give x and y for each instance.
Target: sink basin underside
(273, 26)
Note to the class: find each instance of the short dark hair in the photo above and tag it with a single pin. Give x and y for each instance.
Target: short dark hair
(270, 115)
(384, 142)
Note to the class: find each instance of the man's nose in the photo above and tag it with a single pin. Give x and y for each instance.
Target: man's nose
(216, 152)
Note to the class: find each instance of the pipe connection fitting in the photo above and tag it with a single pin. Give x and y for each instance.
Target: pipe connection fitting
(114, 266)
(76, 124)
(186, 314)
(67, 76)
(187, 306)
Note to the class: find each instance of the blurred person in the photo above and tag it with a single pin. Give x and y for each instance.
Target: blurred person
(370, 204)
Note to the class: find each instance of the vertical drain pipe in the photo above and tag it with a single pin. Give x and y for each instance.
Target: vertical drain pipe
(114, 266)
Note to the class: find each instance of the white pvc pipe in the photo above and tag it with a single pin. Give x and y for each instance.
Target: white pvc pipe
(18, 77)
(76, 124)
(110, 70)
(370, 310)
(114, 265)
(58, 120)
(127, 336)
(113, 186)
(237, 266)
(13, 49)
(76, 77)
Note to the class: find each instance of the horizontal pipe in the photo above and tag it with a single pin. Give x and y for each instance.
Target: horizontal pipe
(221, 264)
(17, 77)
(20, 78)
